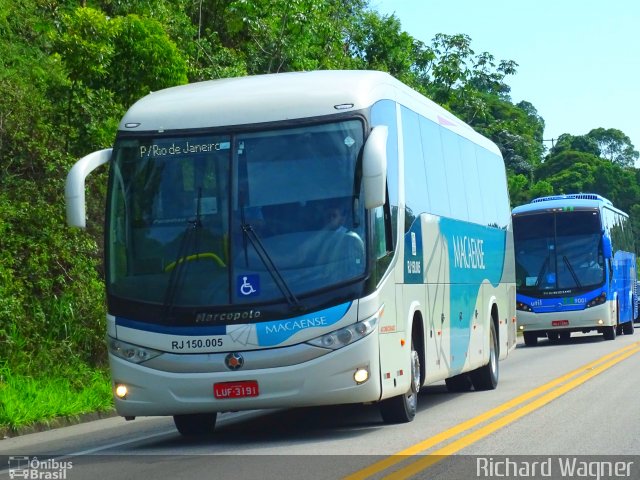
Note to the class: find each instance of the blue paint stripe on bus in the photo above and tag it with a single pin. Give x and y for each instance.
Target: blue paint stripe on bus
(275, 332)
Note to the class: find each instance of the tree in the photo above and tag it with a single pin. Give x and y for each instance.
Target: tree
(488, 77)
(517, 189)
(84, 43)
(610, 144)
(110, 62)
(580, 143)
(378, 43)
(614, 146)
(571, 171)
(292, 35)
(145, 59)
(540, 189)
(51, 297)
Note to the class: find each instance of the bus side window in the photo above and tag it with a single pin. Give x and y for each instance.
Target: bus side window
(380, 241)
(383, 248)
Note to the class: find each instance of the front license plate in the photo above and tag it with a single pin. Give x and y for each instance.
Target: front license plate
(560, 323)
(246, 388)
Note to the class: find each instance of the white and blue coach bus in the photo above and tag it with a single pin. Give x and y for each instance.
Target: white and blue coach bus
(575, 268)
(300, 239)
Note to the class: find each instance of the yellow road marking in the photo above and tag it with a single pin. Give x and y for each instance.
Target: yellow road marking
(482, 432)
(468, 424)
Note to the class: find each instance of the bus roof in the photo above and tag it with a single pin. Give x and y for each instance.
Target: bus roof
(279, 97)
(574, 200)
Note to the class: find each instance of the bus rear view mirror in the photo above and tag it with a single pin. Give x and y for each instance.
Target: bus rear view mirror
(606, 247)
(374, 167)
(74, 186)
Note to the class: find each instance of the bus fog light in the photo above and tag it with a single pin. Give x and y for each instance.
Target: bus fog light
(121, 391)
(361, 375)
(600, 322)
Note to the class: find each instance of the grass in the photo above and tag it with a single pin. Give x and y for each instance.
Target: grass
(51, 363)
(66, 391)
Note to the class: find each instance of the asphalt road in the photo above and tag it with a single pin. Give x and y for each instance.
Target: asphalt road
(560, 403)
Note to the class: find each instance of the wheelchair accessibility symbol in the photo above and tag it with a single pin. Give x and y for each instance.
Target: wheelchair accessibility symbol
(248, 285)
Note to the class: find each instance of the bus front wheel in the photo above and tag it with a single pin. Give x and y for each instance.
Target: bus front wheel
(530, 339)
(402, 408)
(609, 333)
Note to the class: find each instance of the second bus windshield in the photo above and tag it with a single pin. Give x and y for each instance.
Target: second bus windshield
(558, 251)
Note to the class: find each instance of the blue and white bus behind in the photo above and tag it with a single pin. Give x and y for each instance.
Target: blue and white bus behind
(575, 268)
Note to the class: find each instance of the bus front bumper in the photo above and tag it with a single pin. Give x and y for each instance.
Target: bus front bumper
(572, 321)
(326, 380)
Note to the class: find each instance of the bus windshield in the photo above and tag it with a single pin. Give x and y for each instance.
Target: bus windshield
(215, 219)
(558, 252)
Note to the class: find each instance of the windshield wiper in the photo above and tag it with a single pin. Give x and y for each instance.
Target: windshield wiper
(176, 279)
(542, 270)
(250, 233)
(573, 273)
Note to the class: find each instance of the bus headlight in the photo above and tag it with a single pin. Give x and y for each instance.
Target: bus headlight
(345, 336)
(130, 352)
(524, 307)
(599, 300)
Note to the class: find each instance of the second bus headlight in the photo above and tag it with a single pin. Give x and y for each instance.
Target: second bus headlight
(599, 300)
(524, 307)
(345, 336)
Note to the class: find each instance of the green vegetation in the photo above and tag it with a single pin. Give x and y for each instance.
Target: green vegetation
(70, 69)
(63, 392)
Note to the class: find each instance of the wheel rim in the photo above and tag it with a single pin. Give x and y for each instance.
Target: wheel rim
(492, 355)
(415, 372)
(411, 397)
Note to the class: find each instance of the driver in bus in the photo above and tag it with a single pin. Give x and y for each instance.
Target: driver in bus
(335, 218)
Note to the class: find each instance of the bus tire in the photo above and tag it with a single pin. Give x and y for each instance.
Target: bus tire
(486, 377)
(609, 333)
(530, 339)
(627, 328)
(402, 408)
(195, 424)
(618, 324)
